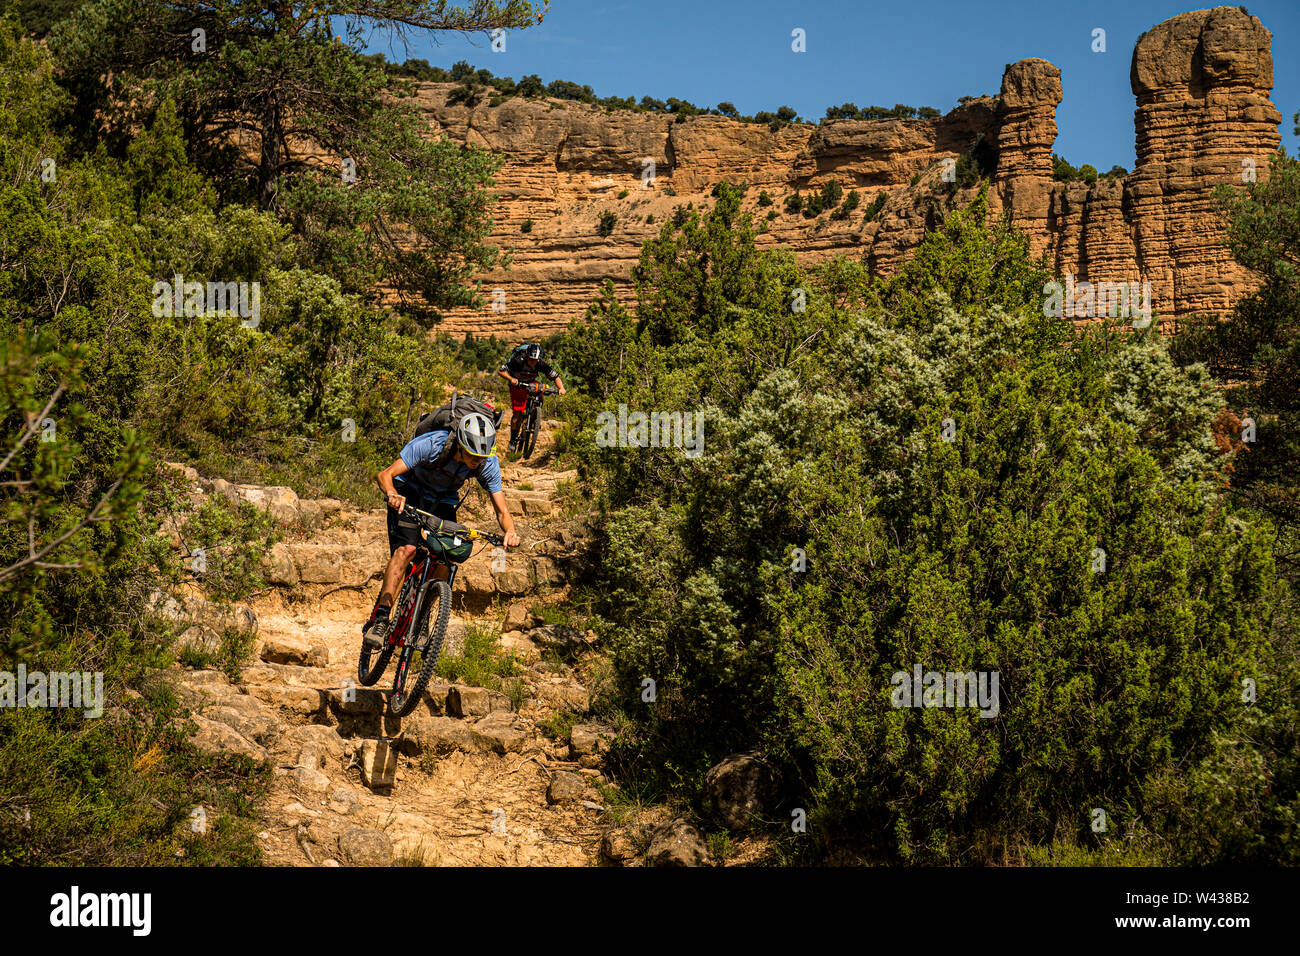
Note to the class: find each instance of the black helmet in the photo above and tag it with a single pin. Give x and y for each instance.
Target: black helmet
(533, 352)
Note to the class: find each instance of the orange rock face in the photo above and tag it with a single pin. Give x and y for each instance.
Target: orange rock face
(1204, 118)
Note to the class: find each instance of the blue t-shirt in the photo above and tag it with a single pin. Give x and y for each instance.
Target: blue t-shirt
(428, 482)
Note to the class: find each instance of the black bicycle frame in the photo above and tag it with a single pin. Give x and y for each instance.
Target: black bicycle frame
(425, 558)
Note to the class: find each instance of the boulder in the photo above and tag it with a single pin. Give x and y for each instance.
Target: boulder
(677, 843)
(547, 573)
(588, 740)
(518, 617)
(356, 700)
(515, 643)
(453, 640)
(279, 566)
(196, 610)
(310, 513)
(514, 580)
(224, 489)
(317, 563)
(313, 738)
(213, 736)
(562, 693)
(475, 580)
(283, 649)
(565, 787)
(199, 639)
(328, 507)
(343, 800)
(617, 846)
(362, 846)
(464, 701)
(378, 764)
(186, 471)
(565, 639)
(279, 502)
(298, 700)
(309, 778)
(499, 733)
(248, 715)
(740, 789)
(437, 736)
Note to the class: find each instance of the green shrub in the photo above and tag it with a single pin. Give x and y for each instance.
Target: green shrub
(972, 554)
(480, 662)
(846, 208)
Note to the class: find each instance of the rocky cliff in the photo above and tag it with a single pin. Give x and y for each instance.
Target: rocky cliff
(1204, 117)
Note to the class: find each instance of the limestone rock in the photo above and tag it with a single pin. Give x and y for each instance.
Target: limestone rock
(677, 844)
(464, 701)
(280, 568)
(283, 649)
(213, 736)
(564, 639)
(565, 787)
(378, 764)
(498, 733)
(518, 617)
(740, 789)
(344, 801)
(617, 846)
(587, 739)
(311, 779)
(438, 736)
(280, 502)
(361, 846)
(1201, 82)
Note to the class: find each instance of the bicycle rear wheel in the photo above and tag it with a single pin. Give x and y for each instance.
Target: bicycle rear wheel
(367, 675)
(421, 650)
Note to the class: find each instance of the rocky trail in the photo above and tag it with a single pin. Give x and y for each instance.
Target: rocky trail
(471, 777)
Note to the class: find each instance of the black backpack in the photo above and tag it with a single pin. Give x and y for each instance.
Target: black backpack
(445, 418)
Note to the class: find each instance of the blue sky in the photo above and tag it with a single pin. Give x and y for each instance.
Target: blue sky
(920, 52)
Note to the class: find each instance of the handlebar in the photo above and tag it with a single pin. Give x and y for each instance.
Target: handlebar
(436, 525)
(537, 388)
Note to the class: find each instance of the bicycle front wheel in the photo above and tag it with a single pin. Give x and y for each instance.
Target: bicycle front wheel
(420, 654)
(531, 427)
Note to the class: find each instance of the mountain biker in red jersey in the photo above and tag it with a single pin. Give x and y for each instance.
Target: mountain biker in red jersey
(522, 369)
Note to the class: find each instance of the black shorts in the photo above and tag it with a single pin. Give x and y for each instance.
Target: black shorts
(404, 531)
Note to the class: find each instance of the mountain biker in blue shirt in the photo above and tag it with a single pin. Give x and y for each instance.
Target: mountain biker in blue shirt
(431, 483)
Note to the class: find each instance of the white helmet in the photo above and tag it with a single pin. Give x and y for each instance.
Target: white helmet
(476, 434)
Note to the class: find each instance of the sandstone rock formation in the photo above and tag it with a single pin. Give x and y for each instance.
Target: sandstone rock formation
(1201, 79)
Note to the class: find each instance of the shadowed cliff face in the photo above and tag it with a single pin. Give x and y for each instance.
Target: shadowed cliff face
(1204, 116)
